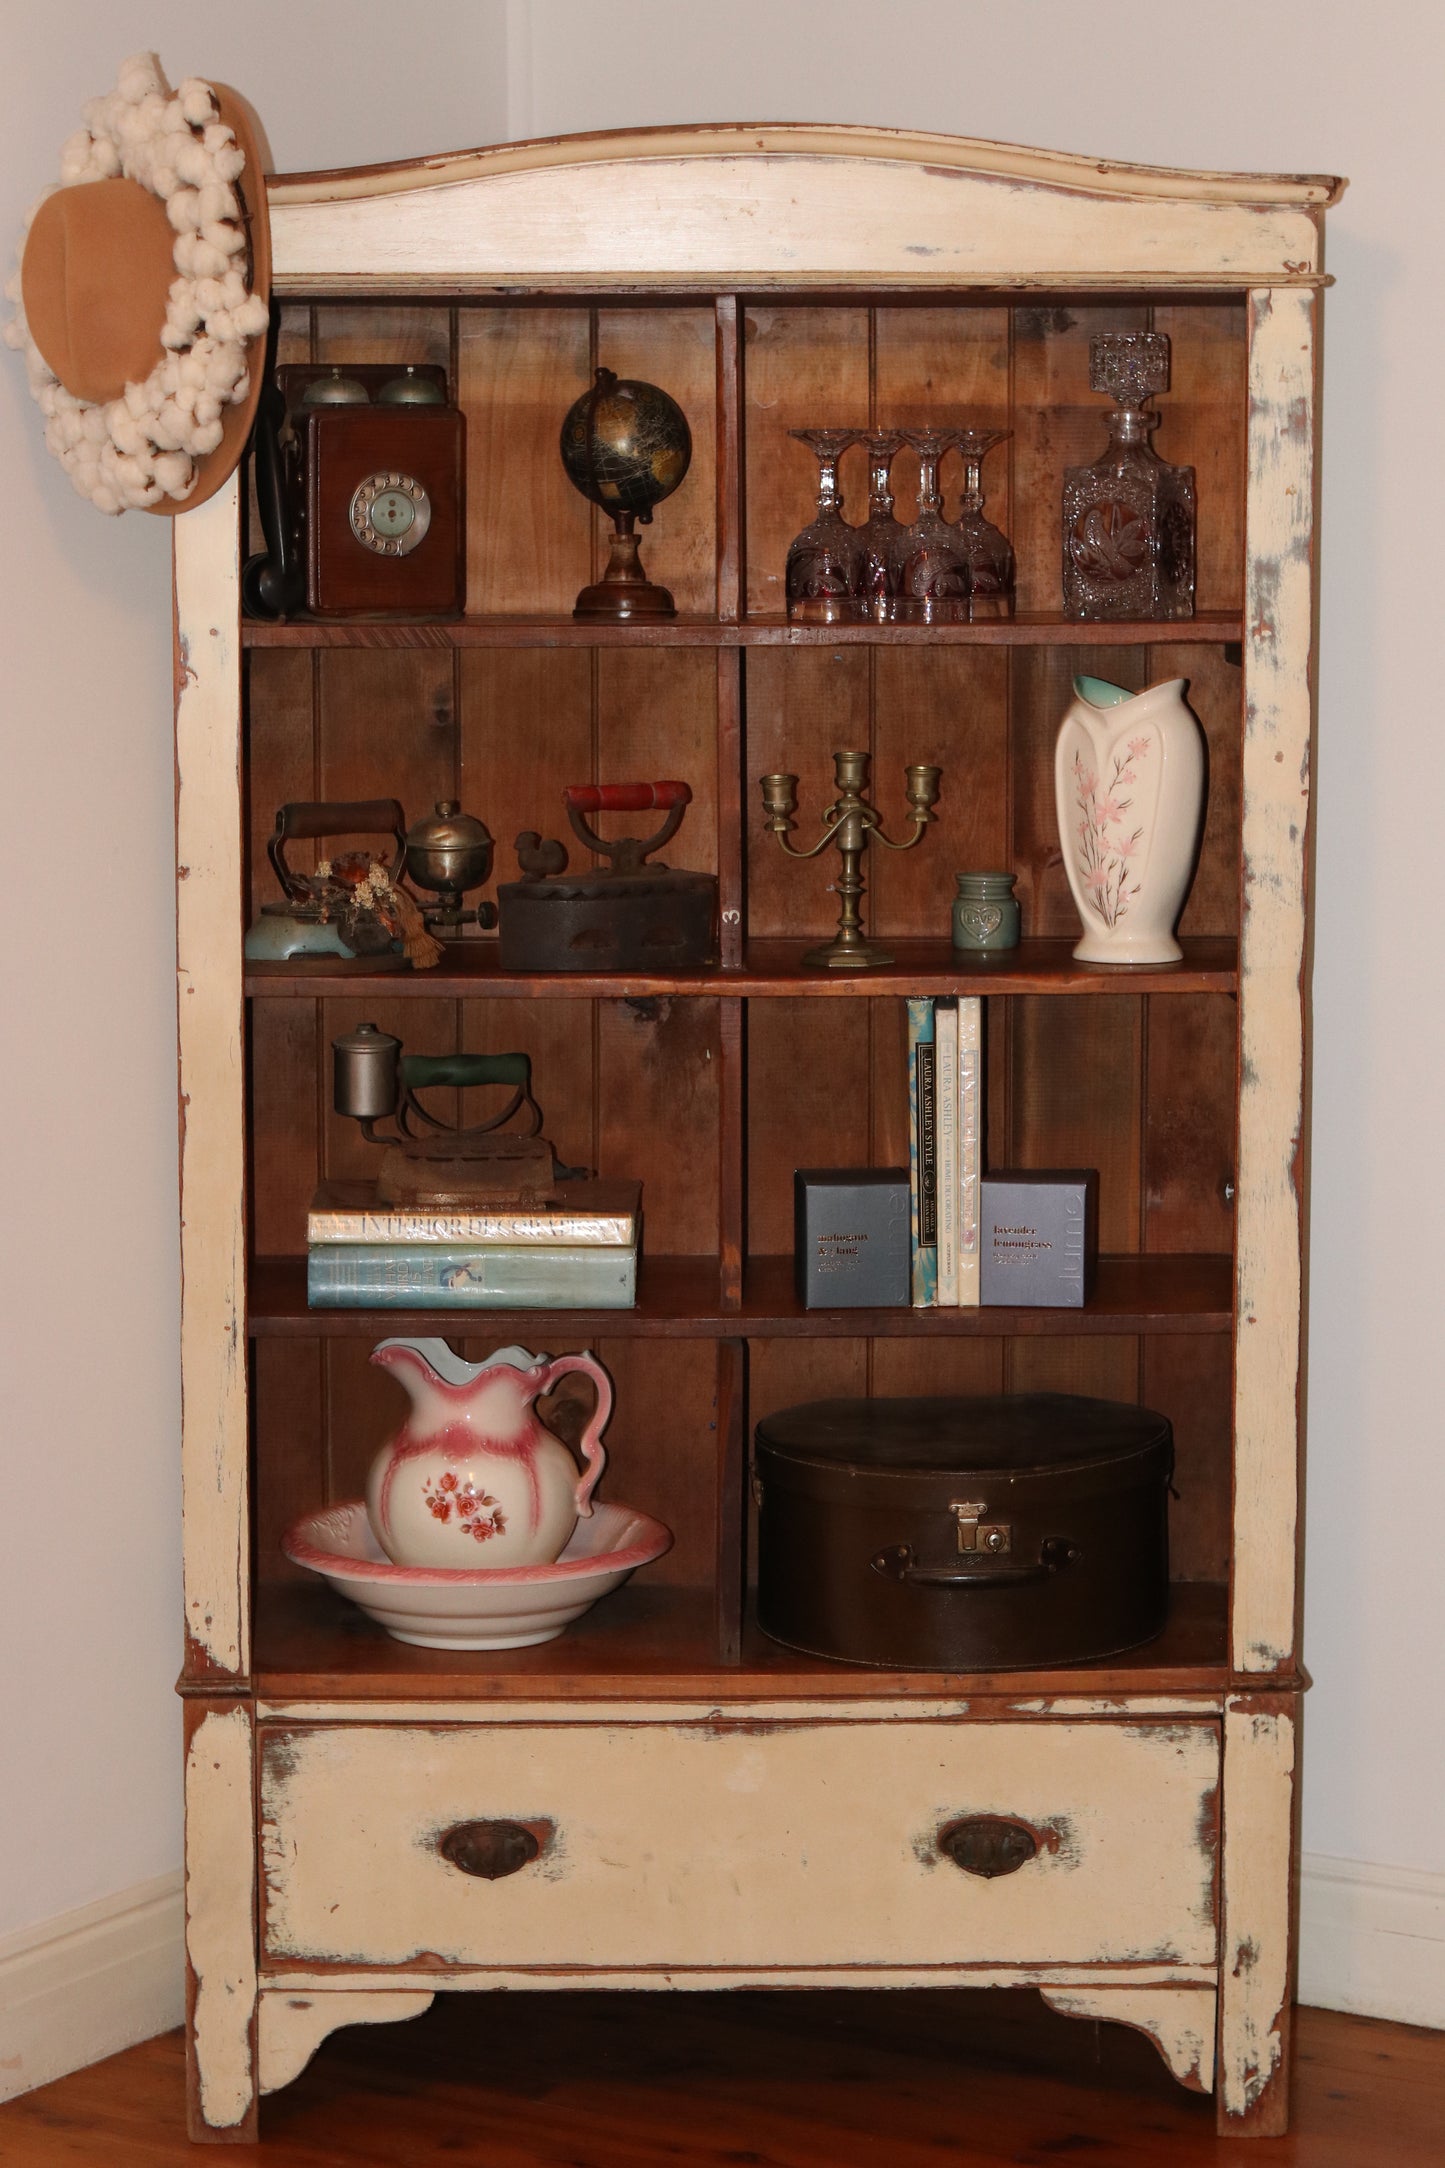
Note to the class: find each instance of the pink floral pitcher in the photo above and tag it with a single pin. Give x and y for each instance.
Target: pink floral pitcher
(474, 1479)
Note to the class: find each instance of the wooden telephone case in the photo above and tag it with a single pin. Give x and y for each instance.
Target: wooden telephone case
(330, 451)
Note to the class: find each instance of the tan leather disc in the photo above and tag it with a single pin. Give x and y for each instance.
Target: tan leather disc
(95, 280)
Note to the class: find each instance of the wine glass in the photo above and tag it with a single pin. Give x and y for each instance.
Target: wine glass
(882, 540)
(935, 583)
(822, 567)
(989, 553)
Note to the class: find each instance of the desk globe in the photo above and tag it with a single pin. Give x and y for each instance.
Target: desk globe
(626, 445)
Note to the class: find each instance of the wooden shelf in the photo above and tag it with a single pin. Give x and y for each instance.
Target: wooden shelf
(679, 1299)
(657, 1643)
(1048, 628)
(774, 970)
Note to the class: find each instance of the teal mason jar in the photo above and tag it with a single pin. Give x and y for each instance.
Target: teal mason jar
(985, 911)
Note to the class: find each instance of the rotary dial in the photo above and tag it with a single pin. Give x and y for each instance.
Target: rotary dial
(390, 514)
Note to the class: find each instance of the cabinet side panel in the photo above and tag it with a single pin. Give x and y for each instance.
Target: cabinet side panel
(529, 532)
(1278, 615)
(221, 1919)
(1252, 2092)
(212, 1090)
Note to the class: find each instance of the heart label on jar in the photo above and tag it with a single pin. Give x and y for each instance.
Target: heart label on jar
(981, 919)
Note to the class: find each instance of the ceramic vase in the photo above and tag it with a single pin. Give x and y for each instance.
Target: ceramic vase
(1129, 772)
(474, 1479)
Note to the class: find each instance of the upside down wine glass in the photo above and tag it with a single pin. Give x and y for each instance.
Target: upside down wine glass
(823, 560)
(988, 551)
(882, 540)
(935, 584)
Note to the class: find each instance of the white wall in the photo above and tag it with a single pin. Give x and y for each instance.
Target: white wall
(89, 1410)
(90, 1608)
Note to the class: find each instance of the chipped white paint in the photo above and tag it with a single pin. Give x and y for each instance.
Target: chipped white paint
(291, 2025)
(1179, 2020)
(837, 1709)
(703, 1979)
(220, 1913)
(796, 1846)
(1254, 1968)
(786, 206)
(695, 1849)
(1278, 618)
(212, 1146)
(1006, 161)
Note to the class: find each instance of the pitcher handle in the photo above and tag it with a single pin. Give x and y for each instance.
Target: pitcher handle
(593, 1451)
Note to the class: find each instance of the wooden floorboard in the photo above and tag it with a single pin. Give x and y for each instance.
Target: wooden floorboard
(821, 2080)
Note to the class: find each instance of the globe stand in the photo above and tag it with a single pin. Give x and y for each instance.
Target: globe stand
(624, 590)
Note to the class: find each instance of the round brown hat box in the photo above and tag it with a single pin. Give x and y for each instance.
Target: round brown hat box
(96, 277)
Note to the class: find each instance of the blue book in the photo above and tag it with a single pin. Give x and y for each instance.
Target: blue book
(922, 1153)
(446, 1276)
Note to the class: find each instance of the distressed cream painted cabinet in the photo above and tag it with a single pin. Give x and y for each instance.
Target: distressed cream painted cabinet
(718, 1812)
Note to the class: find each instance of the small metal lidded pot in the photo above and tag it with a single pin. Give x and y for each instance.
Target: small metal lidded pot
(366, 1073)
(985, 911)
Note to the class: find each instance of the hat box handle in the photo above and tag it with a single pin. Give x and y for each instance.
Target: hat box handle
(898, 1563)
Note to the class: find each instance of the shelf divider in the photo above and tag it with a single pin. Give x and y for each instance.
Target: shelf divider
(680, 1298)
(1046, 628)
(655, 1641)
(772, 969)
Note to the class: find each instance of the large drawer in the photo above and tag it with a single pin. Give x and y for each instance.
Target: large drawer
(732, 1843)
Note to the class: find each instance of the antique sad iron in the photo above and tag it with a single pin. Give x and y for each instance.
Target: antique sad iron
(626, 916)
(427, 1161)
(318, 924)
(353, 909)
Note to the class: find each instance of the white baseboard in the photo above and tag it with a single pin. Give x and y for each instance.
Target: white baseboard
(86, 1985)
(1372, 1940)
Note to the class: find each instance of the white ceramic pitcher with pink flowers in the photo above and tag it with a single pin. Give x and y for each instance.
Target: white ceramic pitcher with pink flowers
(474, 1478)
(1129, 791)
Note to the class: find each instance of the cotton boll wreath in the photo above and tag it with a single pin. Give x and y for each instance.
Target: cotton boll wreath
(148, 252)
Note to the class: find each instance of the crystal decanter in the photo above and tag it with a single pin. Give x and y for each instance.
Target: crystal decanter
(1129, 518)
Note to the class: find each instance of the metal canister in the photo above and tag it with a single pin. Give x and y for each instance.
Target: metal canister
(366, 1073)
(448, 851)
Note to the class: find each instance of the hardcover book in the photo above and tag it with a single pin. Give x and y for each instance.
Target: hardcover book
(970, 1146)
(922, 1153)
(946, 1080)
(587, 1215)
(451, 1276)
(1039, 1237)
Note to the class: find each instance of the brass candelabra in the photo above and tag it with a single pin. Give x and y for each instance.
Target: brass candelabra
(849, 823)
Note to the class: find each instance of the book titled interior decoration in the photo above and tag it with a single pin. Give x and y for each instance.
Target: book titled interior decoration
(586, 1215)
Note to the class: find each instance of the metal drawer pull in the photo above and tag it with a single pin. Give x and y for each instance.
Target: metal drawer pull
(976, 1569)
(988, 1845)
(489, 1850)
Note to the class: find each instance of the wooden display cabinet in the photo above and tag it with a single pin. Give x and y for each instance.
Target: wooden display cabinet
(768, 278)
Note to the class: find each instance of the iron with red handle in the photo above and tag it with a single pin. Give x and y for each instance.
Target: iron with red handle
(627, 854)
